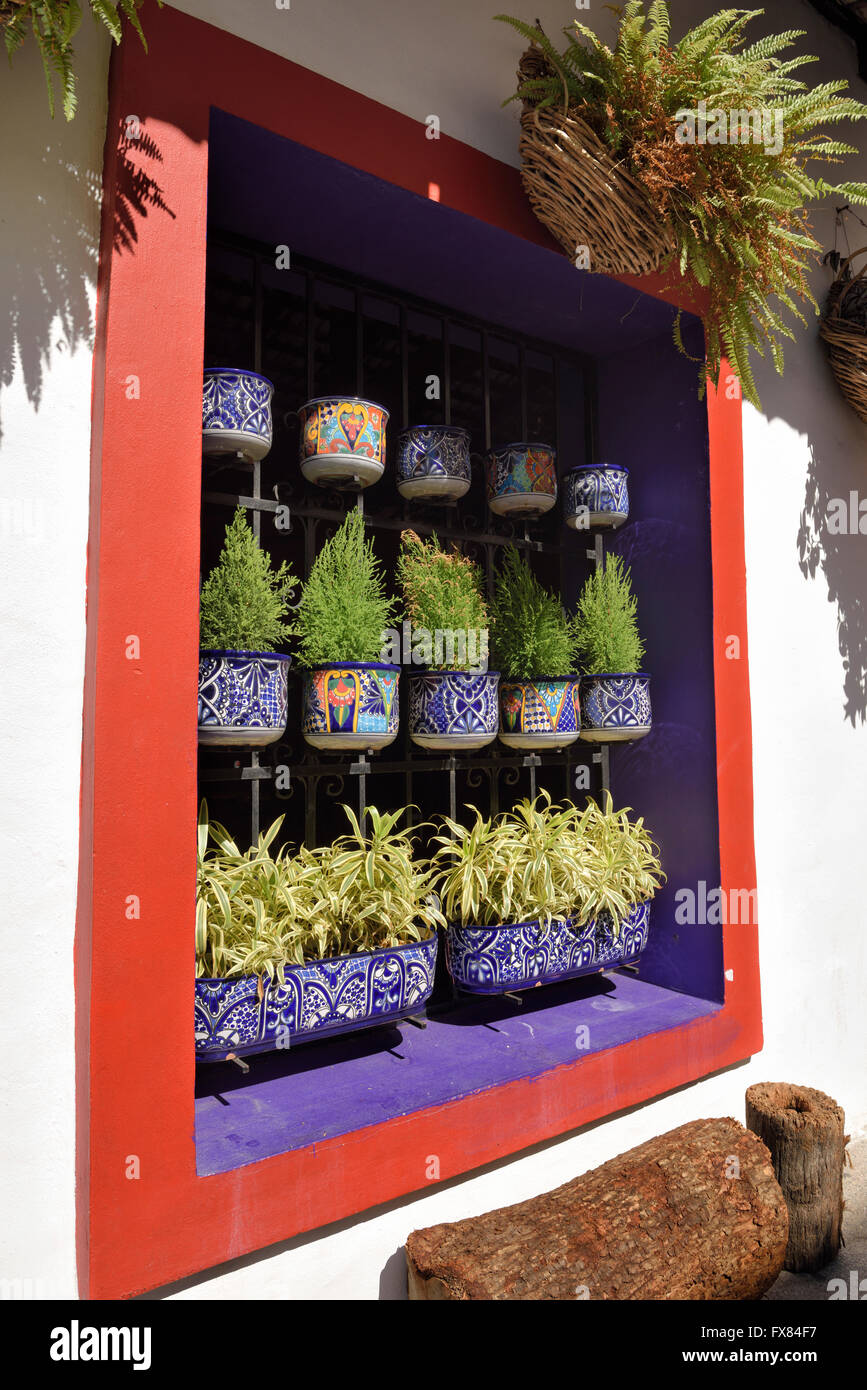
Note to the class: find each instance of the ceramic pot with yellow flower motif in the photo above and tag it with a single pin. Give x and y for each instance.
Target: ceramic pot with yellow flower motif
(342, 442)
(350, 704)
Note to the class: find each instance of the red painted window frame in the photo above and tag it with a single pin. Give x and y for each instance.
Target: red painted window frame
(135, 1065)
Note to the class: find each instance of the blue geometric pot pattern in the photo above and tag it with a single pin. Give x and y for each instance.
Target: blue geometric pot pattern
(615, 708)
(489, 960)
(433, 463)
(596, 496)
(352, 704)
(539, 712)
(521, 480)
(242, 697)
(317, 1000)
(236, 412)
(453, 709)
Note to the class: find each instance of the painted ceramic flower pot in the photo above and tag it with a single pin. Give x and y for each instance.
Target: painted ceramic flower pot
(490, 960)
(539, 713)
(453, 709)
(236, 412)
(596, 495)
(342, 442)
(317, 1000)
(615, 708)
(351, 704)
(521, 480)
(242, 697)
(433, 463)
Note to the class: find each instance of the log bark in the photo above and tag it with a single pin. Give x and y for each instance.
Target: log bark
(693, 1214)
(803, 1129)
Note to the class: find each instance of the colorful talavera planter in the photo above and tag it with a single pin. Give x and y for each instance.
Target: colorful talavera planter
(342, 442)
(596, 495)
(521, 480)
(539, 713)
(453, 709)
(316, 1000)
(615, 708)
(236, 412)
(490, 960)
(351, 704)
(433, 463)
(242, 697)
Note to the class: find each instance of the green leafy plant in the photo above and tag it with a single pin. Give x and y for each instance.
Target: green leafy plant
(736, 206)
(531, 635)
(257, 912)
(54, 24)
(344, 610)
(244, 598)
(607, 636)
(443, 590)
(543, 861)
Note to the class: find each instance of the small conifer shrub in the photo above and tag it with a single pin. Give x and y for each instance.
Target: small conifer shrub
(443, 590)
(532, 637)
(608, 640)
(345, 610)
(244, 598)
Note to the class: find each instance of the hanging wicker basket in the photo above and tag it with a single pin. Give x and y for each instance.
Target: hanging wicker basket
(844, 332)
(583, 195)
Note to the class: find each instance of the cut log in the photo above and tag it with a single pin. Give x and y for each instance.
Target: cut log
(803, 1130)
(693, 1214)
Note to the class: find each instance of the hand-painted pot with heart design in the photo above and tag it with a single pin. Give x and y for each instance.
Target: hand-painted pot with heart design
(243, 697)
(433, 463)
(596, 495)
(539, 713)
(615, 708)
(342, 442)
(453, 709)
(351, 704)
(236, 412)
(521, 479)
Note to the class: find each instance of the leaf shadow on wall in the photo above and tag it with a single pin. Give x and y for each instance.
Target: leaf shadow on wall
(46, 290)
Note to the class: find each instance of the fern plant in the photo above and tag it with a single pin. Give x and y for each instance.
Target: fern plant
(531, 635)
(344, 610)
(736, 206)
(54, 24)
(607, 638)
(244, 598)
(442, 589)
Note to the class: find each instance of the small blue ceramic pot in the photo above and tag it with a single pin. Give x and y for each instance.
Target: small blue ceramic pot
(615, 708)
(539, 712)
(596, 495)
(453, 709)
(433, 463)
(489, 960)
(236, 412)
(521, 480)
(317, 1000)
(242, 697)
(351, 704)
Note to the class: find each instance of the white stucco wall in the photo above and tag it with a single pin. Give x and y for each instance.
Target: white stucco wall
(49, 236)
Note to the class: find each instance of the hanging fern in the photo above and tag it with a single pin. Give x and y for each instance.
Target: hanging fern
(54, 24)
(737, 210)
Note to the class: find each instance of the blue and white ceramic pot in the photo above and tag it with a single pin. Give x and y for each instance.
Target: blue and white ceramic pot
(521, 480)
(433, 463)
(242, 697)
(342, 443)
(539, 713)
(351, 704)
(490, 960)
(453, 709)
(317, 1000)
(236, 412)
(615, 708)
(596, 495)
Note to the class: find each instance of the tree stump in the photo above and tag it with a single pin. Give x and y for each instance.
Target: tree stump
(803, 1130)
(693, 1214)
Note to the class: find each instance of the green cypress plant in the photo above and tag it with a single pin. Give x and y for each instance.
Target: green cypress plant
(344, 610)
(244, 599)
(531, 635)
(443, 591)
(607, 639)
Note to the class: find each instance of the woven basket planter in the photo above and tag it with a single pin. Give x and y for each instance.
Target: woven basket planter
(583, 195)
(844, 332)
